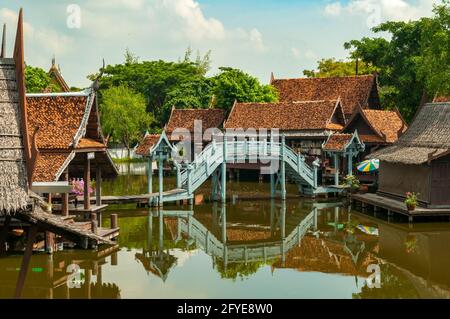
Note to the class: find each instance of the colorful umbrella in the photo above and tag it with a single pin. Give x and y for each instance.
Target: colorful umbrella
(369, 165)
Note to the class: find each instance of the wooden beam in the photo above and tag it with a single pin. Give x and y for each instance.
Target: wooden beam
(26, 261)
(87, 181)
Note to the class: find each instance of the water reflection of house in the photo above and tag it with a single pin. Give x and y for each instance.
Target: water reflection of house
(158, 263)
(48, 276)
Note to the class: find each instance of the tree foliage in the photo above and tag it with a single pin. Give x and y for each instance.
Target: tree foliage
(235, 85)
(414, 63)
(123, 115)
(183, 84)
(332, 68)
(36, 79)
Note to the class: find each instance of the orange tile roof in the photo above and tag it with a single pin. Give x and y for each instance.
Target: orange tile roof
(147, 143)
(388, 123)
(288, 116)
(441, 99)
(337, 142)
(184, 118)
(353, 90)
(90, 143)
(372, 139)
(48, 164)
(58, 117)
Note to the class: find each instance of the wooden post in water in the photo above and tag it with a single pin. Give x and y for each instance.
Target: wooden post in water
(25, 261)
(87, 181)
(114, 221)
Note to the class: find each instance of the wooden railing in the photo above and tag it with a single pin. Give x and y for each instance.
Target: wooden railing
(195, 174)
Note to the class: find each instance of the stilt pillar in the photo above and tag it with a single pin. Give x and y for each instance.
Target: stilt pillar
(350, 163)
(283, 168)
(25, 261)
(87, 182)
(160, 178)
(65, 196)
(336, 167)
(223, 193)
(98, 186)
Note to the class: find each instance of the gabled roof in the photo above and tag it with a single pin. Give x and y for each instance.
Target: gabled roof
(61, 117)
(288, 116)
(386, 126)
(66, 124)
(151, 142)
(427, 138)
(339, 142)
(353, 90)
(184, 118)
(57, 78)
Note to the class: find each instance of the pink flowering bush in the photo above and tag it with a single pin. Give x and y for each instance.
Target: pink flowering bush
(78, 187)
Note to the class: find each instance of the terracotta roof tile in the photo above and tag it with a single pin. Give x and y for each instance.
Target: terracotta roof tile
(372, 139)
(353, 90)
(58, 117)
(289, 116)
(48, 164)
(441, 99)
(90, 143)
(147, 143)
(337, 142)
(388, 123)
(184, 118)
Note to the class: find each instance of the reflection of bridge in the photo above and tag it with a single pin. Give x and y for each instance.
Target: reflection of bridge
(232, 253)
(191, 230)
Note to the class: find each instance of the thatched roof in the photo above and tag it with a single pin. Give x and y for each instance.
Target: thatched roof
(13, 181)
(427, 138)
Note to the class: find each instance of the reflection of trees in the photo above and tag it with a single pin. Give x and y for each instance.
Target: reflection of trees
(394, 285)
(238, 270)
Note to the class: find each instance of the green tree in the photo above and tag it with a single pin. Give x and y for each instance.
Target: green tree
(236, 85)
(123, 115)
(36, 79)
(414, 63)
(332, 67)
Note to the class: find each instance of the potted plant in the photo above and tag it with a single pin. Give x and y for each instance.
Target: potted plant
(352, 182)
(411, 200)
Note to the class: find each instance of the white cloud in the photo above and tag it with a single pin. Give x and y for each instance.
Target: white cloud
(256, 39)
(382, 10)
(44, 42)
(185, 19)
(333, 9)
(296, 53)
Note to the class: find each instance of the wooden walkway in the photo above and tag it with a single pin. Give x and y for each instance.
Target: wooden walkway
(79, 233)
(171, 195)
(396, 206)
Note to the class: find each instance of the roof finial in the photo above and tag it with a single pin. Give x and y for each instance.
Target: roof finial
(54, 61)
(3, 52)
(272, 78)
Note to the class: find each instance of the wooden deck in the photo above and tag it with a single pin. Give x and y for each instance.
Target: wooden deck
(171, 195)
(396, 206)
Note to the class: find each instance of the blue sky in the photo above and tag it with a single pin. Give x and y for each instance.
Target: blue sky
(259, 36)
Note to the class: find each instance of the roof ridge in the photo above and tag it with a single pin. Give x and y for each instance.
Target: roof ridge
(328, 77)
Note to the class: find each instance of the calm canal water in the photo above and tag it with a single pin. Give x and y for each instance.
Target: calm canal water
(247, 249)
